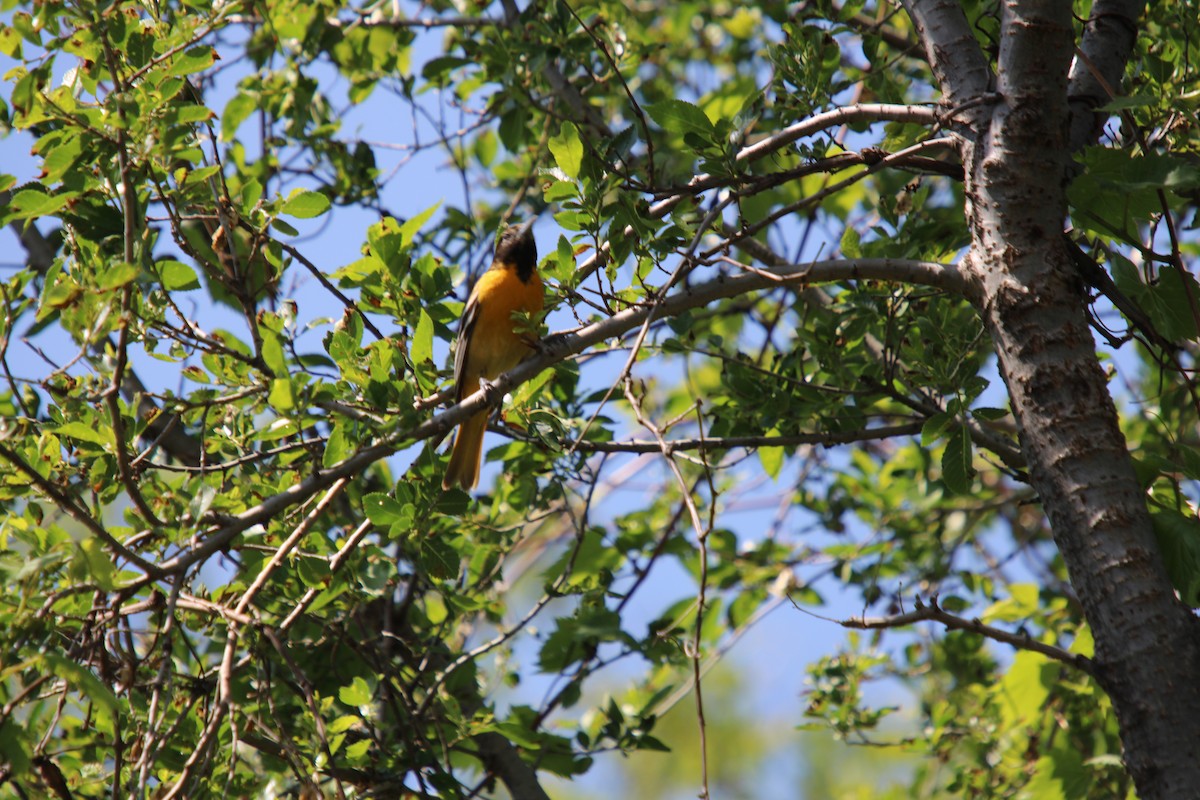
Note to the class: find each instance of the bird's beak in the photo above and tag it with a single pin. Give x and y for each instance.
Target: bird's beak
(526, 230)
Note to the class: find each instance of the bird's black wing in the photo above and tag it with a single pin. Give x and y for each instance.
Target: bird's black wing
(465, 326)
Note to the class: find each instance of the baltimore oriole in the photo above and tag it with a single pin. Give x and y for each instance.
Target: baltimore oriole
(487, 343)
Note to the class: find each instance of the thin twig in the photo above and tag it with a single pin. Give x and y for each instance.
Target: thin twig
(922, 613)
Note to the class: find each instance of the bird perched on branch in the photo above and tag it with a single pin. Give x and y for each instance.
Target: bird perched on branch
(488, 344)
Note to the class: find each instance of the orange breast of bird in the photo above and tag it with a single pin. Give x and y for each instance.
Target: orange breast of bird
(493, 346)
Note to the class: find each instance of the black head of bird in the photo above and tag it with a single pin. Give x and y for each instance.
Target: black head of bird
(517, 246)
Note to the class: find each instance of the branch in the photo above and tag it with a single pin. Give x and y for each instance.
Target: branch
(1021, 641)
(729, 442)
(1108, 39)
(955, 56)
(864, 112)
(326, 283)
(702, 530)
(501, 759)
(868, 26)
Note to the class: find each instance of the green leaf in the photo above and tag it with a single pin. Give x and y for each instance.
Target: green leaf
(337, 447)
(935, 428)
(196, 59)
(1169, 306)
(273, 353)
(305, 204)
(851, 243)
(567, 149)
(239, 107)
(31, 204)
(281, 396)
(116, 276)
(559, 191)
(10, 42)
(1132, 101)
(439, 560)
(1178, 538)
(84, 433)
(357, 694)
(683, 118)
(408, 230)
(422, 342)
(381, 509)
(956, 462)
(771, 458)
(1058, 776)
(1021, 604)
(436, 68)
(81, 678)
(99, 563)
(177, 276)
(59, 157)
(361, 271)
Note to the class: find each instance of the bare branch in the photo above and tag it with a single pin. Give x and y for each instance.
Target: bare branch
(729, 442)
(932, 612)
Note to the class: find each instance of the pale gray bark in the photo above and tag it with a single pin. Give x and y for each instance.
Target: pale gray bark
(1104, 49)
(1017, 157)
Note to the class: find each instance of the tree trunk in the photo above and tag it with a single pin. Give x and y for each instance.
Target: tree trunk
(1016, 158)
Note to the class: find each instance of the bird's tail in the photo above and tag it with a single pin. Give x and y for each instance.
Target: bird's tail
(463, 470)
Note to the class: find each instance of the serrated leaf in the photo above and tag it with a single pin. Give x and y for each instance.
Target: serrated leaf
(1178, 538)
(99, 563)
(273, 354)
(1170, 307)
(30, 203)
(851, 243)
(436, 68)
(239, 107)
(1132, 101)
(116, 276)
(771, 458)
(10, 42)
(565, 255)
(560, 190)
(439, 559)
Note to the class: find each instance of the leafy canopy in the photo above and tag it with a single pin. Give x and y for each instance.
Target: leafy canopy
(231, 565)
